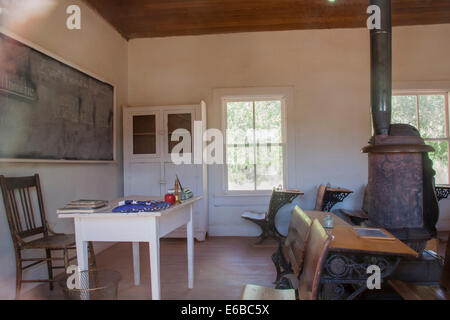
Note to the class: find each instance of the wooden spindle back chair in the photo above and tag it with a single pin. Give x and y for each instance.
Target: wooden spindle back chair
(25, 211)
(20, 210)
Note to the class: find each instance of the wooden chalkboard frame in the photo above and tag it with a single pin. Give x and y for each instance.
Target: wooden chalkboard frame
(40, 49)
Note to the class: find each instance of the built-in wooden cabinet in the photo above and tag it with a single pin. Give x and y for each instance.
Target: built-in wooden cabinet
(148, 167)
(144, 134)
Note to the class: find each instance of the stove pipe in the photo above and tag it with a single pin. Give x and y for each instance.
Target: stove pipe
(381, 69)
(401, 179)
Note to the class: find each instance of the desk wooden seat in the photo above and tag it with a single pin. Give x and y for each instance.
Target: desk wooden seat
(411, 291)
(308, 288)
(253, 292)
(327, 197)
(356, 217)
(266, 220)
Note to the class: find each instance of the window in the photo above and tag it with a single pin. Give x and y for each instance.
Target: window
(428, 112)
(254, 144)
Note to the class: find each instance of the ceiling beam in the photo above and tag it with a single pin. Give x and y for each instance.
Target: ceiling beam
(163, 18)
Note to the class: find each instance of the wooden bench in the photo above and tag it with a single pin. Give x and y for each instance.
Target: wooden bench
(410, 291)
(309, 280)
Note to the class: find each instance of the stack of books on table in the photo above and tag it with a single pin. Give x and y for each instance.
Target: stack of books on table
(84, 206)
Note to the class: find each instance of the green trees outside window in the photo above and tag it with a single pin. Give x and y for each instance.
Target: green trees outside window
(254, 145)
(429, 114)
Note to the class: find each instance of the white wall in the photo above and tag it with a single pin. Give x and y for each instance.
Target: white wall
(329, 72)
(96, 48)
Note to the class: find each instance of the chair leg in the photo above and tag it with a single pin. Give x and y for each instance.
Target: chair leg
(18, 274)
(92, 255)
(48, 253)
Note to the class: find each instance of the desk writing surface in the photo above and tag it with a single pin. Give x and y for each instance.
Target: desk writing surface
(339, 190)
(345, 239)
(107, 212)
(320, 215)
(297, 191)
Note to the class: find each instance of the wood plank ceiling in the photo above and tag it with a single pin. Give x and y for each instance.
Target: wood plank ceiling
(164, 18)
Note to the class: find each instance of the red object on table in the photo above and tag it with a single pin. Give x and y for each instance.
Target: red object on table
(170, 197)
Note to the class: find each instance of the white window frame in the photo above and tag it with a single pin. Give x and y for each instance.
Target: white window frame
(425, 92)
(284, 98)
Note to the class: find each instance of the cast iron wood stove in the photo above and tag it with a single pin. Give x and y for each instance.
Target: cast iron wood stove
(402, 197)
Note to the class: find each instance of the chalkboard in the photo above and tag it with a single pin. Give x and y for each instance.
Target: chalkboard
(50, 110)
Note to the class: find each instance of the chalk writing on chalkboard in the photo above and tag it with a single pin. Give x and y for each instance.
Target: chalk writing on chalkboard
(50, 110)
(14, 85)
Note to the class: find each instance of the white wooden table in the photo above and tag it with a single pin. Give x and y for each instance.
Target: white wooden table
(136, 227)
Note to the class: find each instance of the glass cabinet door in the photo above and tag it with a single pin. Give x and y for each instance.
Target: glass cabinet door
(144, 134)
(178, 121)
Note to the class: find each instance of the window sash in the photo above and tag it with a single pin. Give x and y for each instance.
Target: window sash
(445, 94)
(254, 146)
(419, 94)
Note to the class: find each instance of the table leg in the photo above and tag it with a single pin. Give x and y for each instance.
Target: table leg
(82, 258)
(82, 255)
(190, 249)
(82, 248)
(154, 259)
(136, 264)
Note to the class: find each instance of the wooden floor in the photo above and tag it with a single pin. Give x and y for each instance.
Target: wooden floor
(223, 265)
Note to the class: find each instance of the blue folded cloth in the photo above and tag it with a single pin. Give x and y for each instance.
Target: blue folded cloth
(129, 206)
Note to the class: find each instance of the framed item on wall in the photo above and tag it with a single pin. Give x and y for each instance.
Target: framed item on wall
(51, 111)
